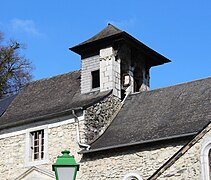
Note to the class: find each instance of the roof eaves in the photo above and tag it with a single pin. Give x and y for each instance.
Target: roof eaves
(52, 115)
(137, 143)
(132, 39)
(80, 47)
(39, 118)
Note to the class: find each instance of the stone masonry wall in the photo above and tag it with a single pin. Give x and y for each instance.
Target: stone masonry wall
(109, 165)
(99, 116)
(12, 150)
(187, 167)
(115, 165)
(110, 71)
(87, 66)
(12, 157)
(102, 167)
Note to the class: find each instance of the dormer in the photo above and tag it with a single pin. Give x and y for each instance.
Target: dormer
(114, 60)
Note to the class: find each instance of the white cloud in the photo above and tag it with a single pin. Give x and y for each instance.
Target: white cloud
(26, 26)
(124, 24)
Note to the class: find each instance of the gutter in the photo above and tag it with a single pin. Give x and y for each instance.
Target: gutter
(138, 143)
(52, 115)
(78, 133)
(37, 119)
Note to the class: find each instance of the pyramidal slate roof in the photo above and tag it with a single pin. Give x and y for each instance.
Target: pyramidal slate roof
(160, 114)
(50, 97)
(110, 35)
(110, 30)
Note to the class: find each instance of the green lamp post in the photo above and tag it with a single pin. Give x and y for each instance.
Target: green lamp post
(65, 167)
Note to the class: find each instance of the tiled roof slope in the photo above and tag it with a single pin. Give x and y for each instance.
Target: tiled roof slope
(110, 30)
(111, 35)
(49, 96)
(4, 103)
(160, 114)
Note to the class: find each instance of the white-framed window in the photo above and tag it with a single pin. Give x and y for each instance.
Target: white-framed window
(132, 176)
(206, 159)
(36, 147)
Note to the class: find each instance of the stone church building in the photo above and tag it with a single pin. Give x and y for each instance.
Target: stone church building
(109, 119)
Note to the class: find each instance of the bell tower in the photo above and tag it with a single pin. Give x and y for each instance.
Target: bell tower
(114, 60)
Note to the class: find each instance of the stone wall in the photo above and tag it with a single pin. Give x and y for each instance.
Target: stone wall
(12, 150)
(113, 164)
(116, 164)
(87, 66)
(110, 71)
(188, 166)
(99, 116)
(12, 157)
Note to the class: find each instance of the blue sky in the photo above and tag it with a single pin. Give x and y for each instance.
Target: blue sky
(179, 30)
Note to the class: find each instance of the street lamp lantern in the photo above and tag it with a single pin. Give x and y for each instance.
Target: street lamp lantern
(65, 167)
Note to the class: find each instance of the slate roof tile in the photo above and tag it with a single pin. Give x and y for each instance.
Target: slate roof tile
(111, 34)
(49, 96)
(110, 30)
(159, 114)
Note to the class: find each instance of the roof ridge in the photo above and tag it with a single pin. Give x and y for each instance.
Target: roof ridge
(108, 31)
(174, 85)
(50, 77)
(109, 24)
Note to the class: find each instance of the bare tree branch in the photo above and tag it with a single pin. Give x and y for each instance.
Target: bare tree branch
(15, 70)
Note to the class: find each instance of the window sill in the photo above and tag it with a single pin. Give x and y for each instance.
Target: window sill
(95, 89)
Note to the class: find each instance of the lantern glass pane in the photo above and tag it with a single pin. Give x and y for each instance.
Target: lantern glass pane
(66, 173)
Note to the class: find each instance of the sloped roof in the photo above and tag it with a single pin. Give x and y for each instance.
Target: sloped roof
(110, 30)
(110, 35)
(52, 96)
(159, 114)
(5, 102)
